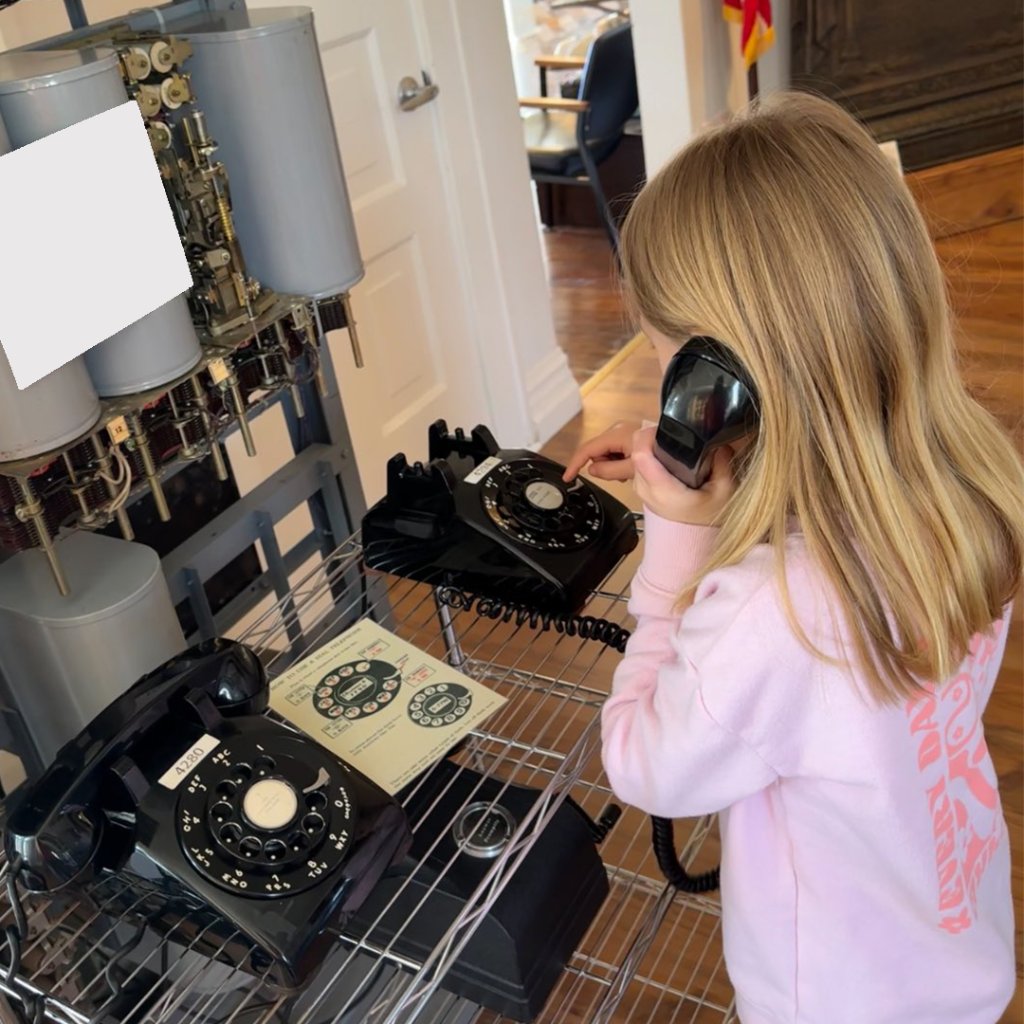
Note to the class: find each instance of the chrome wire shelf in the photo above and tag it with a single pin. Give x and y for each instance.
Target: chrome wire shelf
(651, 954)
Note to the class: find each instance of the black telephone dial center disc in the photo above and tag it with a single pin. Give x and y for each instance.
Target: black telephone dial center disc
(267, 816)
(528, 500)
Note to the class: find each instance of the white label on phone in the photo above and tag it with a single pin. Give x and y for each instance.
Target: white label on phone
(483, 469)
(186, 764)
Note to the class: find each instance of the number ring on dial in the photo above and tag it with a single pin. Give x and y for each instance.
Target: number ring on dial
(248, 827)
(528, 500)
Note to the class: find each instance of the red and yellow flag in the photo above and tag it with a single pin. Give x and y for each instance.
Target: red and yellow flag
(756, 18)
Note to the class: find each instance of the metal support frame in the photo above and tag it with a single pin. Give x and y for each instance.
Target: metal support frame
(76, 13)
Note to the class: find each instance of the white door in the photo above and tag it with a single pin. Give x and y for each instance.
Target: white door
(412, 311)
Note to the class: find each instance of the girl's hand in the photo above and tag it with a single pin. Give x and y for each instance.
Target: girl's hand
(608, 455)
(671, 499)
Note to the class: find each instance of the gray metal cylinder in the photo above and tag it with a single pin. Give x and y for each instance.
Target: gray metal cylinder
(64, 659)
(257, 76)
(42, 92)
(49, 413)
(45, 92)
(150, 352)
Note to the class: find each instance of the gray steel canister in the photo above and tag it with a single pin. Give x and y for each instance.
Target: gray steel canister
(258, 78)
(150, 352)
(42, 93)
(49, 413)
(64, 659)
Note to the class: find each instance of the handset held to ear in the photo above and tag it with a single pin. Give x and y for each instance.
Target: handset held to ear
(707, 401)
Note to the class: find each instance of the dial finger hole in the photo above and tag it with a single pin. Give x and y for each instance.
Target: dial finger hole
(221, 812)
(312, 823)
(275, 850)
(230, 834)
(227, 788)
(297, 842)
(264, 765)
(316, 801)
(242, 772)
(250, 846)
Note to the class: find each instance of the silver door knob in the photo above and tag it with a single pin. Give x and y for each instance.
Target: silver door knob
(412, 95)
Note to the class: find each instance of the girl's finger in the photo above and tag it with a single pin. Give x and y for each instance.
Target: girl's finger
(612, 469)
(577, 461)
(643, 441)
(598, 448)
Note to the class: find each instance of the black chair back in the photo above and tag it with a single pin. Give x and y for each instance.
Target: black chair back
(608, 83)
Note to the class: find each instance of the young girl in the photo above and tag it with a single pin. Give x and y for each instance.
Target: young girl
(820, 626)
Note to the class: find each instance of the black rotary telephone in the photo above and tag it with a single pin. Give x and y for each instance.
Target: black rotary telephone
(268, 832)
(495, 522)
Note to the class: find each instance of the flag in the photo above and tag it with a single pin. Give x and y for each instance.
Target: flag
(756, 18)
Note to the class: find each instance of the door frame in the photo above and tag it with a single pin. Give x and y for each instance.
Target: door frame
(531, 390)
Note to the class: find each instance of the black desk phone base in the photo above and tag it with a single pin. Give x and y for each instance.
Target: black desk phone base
(496, 523)
(277, 838)
(514, 959)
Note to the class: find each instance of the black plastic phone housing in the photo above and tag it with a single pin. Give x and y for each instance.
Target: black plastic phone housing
(461, 822)
(496, 522)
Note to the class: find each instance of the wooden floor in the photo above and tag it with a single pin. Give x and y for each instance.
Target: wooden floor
(589, 319)
(975, 210)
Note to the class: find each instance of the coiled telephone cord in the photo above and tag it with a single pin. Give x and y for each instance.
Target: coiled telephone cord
(587, 627)
(31, 1009)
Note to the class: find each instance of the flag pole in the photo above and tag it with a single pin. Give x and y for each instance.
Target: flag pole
(752, 82)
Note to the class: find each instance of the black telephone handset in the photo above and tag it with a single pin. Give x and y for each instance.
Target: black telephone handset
(707, 401)
(228, 809)
(495, 522)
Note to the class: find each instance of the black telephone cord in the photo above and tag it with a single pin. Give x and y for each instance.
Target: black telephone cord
(587, 627)
(615, 636)
(33, 1008)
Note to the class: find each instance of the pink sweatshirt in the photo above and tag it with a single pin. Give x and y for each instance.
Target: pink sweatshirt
(866, 863)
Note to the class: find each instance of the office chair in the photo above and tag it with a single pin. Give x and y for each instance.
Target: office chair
(568, 139)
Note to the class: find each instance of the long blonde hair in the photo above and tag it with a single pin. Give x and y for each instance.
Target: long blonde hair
(787, 235)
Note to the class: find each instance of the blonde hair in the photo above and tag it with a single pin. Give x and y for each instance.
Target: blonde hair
(787, 235)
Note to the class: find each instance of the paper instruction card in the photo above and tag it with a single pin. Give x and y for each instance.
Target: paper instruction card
(381, 704)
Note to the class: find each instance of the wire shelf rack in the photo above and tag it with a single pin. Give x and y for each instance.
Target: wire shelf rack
(650, 954)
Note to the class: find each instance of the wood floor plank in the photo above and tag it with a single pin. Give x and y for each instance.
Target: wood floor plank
(590, 323)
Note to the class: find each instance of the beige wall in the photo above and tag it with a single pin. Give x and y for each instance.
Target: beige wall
(689, 69)
(30, 20)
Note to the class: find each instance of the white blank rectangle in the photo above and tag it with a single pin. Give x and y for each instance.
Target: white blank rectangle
(89, 241)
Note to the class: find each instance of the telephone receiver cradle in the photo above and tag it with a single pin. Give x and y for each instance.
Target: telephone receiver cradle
(707, 401)
(496, 522)
(276, 839)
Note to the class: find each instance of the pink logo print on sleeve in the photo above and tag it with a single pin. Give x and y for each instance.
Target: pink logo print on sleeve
(960, 782)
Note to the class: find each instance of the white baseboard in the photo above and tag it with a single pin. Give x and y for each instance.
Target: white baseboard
(553, 396)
